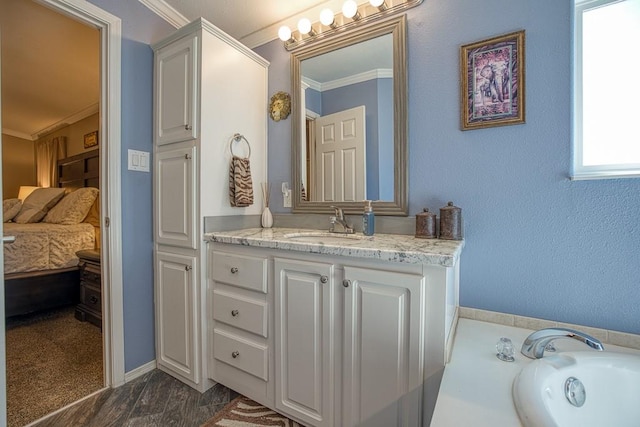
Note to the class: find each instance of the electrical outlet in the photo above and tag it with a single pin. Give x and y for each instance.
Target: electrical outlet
(286, 195)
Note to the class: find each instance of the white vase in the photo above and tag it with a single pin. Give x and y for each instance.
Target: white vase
(267, 218)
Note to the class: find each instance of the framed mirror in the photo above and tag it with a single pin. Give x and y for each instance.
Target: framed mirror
(349, 118)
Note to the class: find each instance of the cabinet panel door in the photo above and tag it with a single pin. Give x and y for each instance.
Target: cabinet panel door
(176, 315)
(304, 340)
(175, 197)
(176, 84)
(384, 348)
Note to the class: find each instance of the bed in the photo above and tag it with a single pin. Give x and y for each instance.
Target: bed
(41, 268)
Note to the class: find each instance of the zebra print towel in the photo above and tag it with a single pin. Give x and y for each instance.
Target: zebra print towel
(240, 185)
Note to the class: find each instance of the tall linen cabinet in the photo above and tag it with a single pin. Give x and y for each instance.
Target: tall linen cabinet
(208, 87)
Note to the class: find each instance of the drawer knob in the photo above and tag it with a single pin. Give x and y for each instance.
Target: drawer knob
(234, 270)
(324, 279)
(234, 313)
(346, 283)
(187, 127)
(93, 299)
(187, 268)
(235, 354)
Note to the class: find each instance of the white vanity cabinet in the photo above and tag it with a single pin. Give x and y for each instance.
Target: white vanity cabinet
(176, 80)
(384, 336)
(350, 341)
(305, 339)
(207, 88)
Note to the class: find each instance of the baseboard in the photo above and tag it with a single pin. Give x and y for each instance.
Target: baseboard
(139, 371)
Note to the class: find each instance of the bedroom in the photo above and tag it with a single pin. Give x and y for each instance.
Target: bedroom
(39, 108)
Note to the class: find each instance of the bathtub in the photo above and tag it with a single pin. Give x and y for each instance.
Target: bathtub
(582, 388)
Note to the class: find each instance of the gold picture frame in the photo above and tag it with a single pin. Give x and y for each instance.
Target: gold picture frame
(91, 139)
(492, 77)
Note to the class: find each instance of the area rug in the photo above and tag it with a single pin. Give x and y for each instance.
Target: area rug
(52, 361)
(244, 412)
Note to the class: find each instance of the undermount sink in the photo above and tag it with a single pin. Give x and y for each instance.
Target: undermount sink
(323, 237)
(581, 388)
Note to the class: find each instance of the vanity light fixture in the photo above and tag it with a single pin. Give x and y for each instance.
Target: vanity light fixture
(351, 16)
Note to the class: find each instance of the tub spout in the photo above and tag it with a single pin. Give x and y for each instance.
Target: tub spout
(535, 343)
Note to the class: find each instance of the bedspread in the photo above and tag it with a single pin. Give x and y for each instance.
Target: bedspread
(42, 246)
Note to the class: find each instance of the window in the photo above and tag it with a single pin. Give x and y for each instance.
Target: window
(606, 134)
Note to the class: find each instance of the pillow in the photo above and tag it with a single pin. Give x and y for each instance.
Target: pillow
(73, 208)
(10, 208)
(37, 204)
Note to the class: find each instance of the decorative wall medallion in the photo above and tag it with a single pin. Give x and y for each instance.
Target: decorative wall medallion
(280, 106)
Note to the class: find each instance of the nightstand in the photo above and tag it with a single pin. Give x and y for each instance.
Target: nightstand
(90, 307)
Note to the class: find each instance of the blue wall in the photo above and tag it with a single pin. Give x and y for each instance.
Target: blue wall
(140, 27)
(537, 244)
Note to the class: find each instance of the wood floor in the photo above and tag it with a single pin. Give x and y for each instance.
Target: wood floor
(154, 399)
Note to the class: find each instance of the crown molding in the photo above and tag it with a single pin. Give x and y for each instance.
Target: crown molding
(166, 12)
(16, 134)
(69, 120)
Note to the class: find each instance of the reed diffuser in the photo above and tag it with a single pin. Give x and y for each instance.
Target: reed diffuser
(267, 218)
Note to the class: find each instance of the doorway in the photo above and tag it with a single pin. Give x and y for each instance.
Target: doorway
(109, 129)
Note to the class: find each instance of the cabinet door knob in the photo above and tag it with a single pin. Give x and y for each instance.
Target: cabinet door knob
(187, 156)
(187, 268)
(234, 313)
(234, 270)
(346, 283)
(324, 279)
(187, 127)
(93, 299)
(235, 354)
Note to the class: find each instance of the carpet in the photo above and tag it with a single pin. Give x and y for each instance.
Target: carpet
(52, 361)
(244, 412)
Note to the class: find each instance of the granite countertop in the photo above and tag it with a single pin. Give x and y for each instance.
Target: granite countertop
(385, 247)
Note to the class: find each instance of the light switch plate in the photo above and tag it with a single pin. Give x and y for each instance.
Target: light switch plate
(138, 160)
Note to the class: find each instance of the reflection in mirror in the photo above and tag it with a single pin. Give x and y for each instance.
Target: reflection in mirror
(349, 121)
(349, 90)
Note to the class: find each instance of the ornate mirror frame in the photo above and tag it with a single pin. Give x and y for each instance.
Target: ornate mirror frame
(399, 205)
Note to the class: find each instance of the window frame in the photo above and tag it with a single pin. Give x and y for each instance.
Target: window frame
(579, 171)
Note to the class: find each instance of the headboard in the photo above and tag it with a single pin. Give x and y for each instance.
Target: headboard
(81, 170)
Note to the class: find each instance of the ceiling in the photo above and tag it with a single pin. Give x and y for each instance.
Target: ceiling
(50, 74)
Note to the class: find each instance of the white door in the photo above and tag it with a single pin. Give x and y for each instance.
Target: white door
(340, 156)
(3, 373)
(176, 315)
(304, 340)
(176, 79)
(384, 356)
(175, 197)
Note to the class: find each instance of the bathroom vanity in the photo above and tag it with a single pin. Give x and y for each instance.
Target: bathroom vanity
(332, 330)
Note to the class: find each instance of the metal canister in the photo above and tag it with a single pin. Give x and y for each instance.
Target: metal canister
(451, 222)
(426, 225)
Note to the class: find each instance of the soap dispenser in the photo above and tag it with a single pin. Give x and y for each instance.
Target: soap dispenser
(368, 219)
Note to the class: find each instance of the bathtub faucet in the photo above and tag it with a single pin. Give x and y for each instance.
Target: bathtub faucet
(535, 343)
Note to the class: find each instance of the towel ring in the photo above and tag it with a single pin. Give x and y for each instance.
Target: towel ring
(237, 138)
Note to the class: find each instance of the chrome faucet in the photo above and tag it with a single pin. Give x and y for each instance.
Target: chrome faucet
(533, 347)
(338, 223)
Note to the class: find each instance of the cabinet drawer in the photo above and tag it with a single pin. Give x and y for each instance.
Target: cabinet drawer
(240, 270)
(91, 274)
(241, 312)
(240, 353)
(91, 298)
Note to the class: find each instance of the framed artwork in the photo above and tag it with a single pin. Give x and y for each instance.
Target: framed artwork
(91, 139)
(492, 82)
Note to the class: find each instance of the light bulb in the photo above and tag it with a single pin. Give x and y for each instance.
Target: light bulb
(284, 33)
(350, 9)
(326, 17)
(380, 4)
(304, 26)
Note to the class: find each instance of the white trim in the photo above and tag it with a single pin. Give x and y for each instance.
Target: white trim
(17, 134)
(69, 120)
(110, 181)
(140, 371)
(166, 12)
(580, 171)
(382, 73)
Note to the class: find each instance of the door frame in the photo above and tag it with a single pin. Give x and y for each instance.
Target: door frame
(110, 28)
